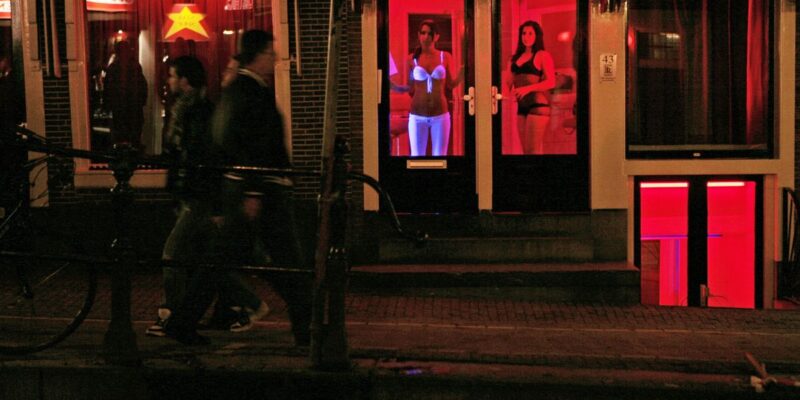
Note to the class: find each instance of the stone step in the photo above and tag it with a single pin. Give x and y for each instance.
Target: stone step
(488, 250)
(498, 225)
(609, 283)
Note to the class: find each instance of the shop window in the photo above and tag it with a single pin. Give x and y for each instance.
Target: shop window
(537, 49)
(699, 80)
(664, 229)
(129, 44)
(427, 53)
(706, 247)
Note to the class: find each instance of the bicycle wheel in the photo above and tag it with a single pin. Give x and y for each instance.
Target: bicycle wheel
(44, 295)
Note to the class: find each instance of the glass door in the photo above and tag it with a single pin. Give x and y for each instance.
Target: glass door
(540, 125)
(427, 150)
(699, 241)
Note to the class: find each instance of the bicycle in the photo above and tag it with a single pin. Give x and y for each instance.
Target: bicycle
(46, 290)
(50, 264)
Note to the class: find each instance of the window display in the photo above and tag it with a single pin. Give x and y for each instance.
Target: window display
(699, 80)
(539, 77)
(129, 45)
(426, 75)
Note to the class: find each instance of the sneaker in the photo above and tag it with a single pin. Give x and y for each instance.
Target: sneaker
(157, 329)
(242, 324)
(248, 317)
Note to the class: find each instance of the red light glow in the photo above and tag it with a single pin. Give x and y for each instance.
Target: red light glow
(731, 256)
(664, 230)
(731, 243)
(109, 5)
(725, 184)
(5, 9)
(565, 36)
(663, 185)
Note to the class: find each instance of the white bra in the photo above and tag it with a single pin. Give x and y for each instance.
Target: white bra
(420, 74)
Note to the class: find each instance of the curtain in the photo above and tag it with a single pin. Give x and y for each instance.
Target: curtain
(142, 27)
(757, 70)
(698, 72)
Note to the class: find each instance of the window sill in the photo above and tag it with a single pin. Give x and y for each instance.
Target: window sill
(103, 178)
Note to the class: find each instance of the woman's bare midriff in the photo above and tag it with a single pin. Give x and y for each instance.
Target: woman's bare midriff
(428, 104)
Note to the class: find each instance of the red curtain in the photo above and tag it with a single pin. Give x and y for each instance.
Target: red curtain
(225, 26)
(757, 70)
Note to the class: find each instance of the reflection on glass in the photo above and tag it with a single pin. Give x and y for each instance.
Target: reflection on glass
(731, 244)
(540, 79)
(664, 218)
(148, 33)
(115, 74)
(424, 118)
(698, 75)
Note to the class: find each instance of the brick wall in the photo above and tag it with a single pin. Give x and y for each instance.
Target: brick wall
(308, 96)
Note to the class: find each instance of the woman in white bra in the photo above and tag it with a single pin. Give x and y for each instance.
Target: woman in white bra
(429, 77)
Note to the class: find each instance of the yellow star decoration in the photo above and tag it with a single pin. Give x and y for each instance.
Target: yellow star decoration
(186, 19)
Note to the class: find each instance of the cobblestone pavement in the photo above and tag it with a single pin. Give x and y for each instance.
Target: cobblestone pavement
(425, 327)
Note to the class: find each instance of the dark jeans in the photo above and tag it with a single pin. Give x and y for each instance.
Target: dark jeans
(244, 241)
(194, 239)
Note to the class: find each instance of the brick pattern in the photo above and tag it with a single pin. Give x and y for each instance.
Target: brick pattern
(308, 96)
(58, 130)
(422, 309)
(308, 90)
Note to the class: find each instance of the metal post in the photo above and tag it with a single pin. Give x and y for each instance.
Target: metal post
(328, 334)
(119, 343)
(328, 340)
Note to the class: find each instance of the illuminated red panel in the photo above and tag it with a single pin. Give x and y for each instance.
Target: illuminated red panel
(664, 218)
(731, 244)
(5, 9)
(109, 5)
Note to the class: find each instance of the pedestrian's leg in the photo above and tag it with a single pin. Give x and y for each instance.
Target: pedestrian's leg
(280, 238)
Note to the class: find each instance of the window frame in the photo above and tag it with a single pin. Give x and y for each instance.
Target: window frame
(87, 174)
(769, 150)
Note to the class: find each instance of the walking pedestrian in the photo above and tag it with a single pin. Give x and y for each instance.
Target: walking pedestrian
(189, 143)
(258, 218)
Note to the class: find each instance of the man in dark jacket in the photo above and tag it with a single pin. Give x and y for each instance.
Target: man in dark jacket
(188, 142)
(257, 209)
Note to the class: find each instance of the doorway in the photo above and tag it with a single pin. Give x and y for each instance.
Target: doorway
(540, 127)
(699, 241)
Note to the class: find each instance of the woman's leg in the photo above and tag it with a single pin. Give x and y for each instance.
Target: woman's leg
(525, 140)
(537, 128)
(440, 134)
(418, 127)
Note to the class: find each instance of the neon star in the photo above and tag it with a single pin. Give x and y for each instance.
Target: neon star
(186, 19)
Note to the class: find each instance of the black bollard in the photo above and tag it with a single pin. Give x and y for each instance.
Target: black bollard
(328, 334)
(119, 343)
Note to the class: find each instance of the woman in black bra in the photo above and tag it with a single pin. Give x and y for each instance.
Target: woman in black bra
(533, 74)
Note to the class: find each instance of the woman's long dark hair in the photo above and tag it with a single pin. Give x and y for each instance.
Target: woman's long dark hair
(538, 44)
(434, 31)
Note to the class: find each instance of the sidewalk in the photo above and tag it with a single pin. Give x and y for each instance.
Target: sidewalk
(491, 346)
